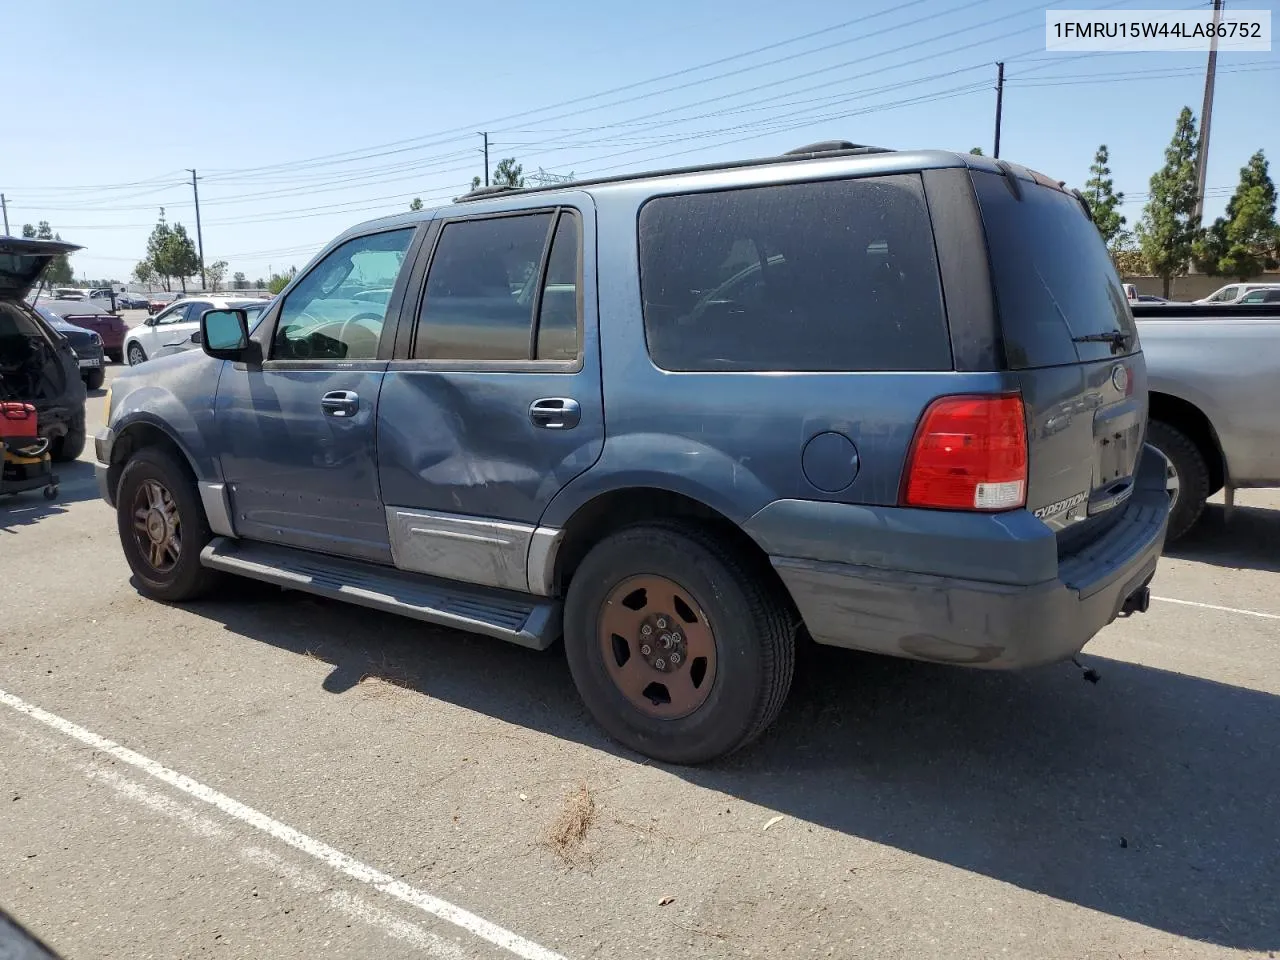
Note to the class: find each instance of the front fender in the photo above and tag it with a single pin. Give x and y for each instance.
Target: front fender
(665, 462)
(174, 394)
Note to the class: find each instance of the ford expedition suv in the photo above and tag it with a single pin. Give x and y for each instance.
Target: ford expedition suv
(895, 400)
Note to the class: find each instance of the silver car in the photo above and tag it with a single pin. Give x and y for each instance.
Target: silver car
(170, 330)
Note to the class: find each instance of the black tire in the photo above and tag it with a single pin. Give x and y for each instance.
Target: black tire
(1192, 475)
(116, 356)
(69, 447)
(94, 379)
(187, 579)
(136, 354)
(754, 640)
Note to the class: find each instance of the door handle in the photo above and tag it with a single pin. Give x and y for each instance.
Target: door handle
(340, 403)
(555, 413)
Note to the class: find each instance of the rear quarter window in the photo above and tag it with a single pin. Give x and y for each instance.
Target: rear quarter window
(830, 276)
(1054, 280)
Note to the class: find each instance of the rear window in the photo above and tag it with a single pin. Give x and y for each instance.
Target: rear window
(1054, 280)
(832, 276)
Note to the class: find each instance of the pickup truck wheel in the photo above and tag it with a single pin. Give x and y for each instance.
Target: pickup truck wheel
(1189, 479)
(678, 651)
(163, 527)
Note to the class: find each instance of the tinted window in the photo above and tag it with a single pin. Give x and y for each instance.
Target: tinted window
(558, 316)
(1054, 279)
(323, 319)
(814, 276)
(481, 289)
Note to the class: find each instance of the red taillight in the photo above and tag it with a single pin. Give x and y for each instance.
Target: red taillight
(969, 453)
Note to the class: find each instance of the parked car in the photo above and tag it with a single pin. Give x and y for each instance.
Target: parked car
(1269, 295)
(1232, 292)
(131, 301)
(37, 364)
(158, 301)
(70, 293)
(1151, 298)
(85, 344)
(671, 417)
(93, 316)
(1215, 387)
(172, 329)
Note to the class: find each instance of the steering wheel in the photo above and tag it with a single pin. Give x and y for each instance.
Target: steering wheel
(346, 326)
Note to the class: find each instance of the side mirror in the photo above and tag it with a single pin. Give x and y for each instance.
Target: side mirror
(224, 334)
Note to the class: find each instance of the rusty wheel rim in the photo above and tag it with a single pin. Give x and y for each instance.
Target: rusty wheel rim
(658, 646)
(157, 527)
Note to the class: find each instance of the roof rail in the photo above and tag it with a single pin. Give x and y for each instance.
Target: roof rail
(479, 193)
(829, 148)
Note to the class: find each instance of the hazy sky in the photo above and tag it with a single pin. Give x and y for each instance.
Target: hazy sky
(304, 118)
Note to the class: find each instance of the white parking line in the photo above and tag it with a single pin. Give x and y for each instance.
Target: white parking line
(1214, 606)
(330, 856)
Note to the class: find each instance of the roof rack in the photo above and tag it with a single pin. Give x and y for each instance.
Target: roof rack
(813, 151)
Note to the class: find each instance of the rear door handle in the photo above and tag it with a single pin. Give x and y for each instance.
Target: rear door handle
(340, 403)
(555, 413)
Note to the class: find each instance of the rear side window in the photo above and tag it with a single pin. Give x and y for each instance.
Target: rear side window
(1054, 280)
(832, 276)
(491, 279)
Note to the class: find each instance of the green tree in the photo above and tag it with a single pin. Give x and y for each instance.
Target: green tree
(156, 247)
(28, 231)
(1169, 226)
(508, 173)
(259, 284)
(475, 183)
(1244, 242)
(279, 281)
(59, 269)
(416, 204)
(977, 151)
(177, 256)
(237, 280)
(144, 273)
(214, 273)
(1099, 190)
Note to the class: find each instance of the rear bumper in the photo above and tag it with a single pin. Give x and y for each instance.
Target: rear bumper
(988, 623)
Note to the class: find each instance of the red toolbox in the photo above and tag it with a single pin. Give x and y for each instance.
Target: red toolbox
(17, 421)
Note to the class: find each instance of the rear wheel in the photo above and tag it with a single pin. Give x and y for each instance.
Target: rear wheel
(69, 446)
(1188, 478)
(678, 650)
(94, 379)
(136, 354)
(163, 527)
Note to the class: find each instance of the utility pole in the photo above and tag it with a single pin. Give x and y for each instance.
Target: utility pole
(1206, 111)
(199, 238)
(999, 105)
(486, 157)
(4, 205)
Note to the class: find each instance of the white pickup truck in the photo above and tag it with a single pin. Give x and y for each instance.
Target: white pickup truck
(1214, 379)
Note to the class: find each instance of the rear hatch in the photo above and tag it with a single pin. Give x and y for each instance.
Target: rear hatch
(22, 261)
(1071, 344)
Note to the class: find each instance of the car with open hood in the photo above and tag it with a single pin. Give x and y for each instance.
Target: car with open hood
(38, 364)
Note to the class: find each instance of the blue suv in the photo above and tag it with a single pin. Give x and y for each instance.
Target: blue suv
(892, 401)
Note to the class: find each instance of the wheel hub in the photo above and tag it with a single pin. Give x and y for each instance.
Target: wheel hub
(157, 527)
(658, 646)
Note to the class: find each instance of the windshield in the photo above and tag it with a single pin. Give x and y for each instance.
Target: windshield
(1054, 281)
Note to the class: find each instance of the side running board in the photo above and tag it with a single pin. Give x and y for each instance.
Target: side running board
(529, 621)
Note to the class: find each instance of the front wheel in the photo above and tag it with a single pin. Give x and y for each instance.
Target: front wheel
(162, 527)
(69, 447)
(678, 649)
(94, 379)
(136, 354)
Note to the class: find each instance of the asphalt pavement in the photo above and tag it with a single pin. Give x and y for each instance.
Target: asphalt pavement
(269, 775)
